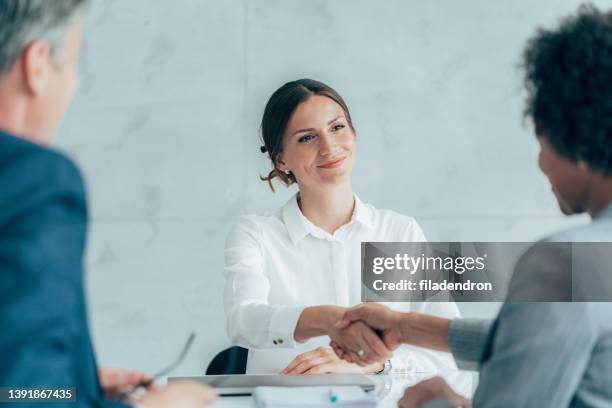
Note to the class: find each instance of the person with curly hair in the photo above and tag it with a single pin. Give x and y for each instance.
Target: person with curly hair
(568, 76)
(544, 353)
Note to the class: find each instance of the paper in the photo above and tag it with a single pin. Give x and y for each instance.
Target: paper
(311, 397)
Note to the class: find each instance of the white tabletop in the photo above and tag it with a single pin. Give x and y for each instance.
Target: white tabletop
(390, 388)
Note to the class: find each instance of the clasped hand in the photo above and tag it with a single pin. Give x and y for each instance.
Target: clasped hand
(367, 333)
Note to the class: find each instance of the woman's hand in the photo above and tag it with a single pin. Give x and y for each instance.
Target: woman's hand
(360, 344)
(376, 317)
(323, 360)
(117, 382)
(180, 394)
(430, 390)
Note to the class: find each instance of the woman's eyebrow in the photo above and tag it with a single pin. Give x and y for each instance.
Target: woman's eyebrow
(335, 119)
(304, 130)
(313, 129)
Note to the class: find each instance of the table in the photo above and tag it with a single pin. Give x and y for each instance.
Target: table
(389, 388)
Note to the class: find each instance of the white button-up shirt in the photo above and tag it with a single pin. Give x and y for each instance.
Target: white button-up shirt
(277, 265)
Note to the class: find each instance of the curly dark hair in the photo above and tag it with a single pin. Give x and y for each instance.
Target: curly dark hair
(568, 75)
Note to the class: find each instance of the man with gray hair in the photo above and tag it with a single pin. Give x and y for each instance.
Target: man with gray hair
(45, 341)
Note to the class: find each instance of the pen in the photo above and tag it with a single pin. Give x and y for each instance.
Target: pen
(333, 397)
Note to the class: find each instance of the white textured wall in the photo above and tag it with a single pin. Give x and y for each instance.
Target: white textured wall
(165, 126)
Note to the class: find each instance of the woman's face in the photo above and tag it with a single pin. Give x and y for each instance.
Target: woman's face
(318, 145)
(569, 181)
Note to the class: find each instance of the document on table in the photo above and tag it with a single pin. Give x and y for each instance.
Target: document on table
(315, 397)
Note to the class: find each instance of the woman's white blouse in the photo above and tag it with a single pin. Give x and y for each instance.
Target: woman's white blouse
(277, 265)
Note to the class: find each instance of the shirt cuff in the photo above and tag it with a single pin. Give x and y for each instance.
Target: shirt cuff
(467, 340)
(282, 326)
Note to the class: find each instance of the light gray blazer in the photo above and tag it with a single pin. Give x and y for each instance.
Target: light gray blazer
(546, 354)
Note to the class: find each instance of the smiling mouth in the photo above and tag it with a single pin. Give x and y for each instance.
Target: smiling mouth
(332, 164)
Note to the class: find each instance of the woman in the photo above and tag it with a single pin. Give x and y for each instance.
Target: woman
(290, 276)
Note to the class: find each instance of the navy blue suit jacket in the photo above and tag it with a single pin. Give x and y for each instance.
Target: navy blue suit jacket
(44, 336)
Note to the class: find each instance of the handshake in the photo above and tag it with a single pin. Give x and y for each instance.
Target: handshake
(367, 334)
(370, 332)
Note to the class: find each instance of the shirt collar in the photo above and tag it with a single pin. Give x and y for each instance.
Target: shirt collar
(294, 220)
(299, 226)
(363, 214)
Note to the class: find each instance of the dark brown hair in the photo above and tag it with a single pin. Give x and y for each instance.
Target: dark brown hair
(279, 109)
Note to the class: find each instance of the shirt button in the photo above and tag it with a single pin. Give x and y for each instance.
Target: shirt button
(280, 341)
(275, 342)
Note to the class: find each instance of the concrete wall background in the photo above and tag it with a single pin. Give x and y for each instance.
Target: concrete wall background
(165, 127)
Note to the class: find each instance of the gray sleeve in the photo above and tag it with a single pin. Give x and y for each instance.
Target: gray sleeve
(467, 340)
(543, 274)
(548, 344)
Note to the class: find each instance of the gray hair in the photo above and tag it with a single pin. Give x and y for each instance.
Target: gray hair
(24, 21)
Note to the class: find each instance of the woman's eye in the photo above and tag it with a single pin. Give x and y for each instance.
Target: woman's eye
(337, 128)
(305, 138)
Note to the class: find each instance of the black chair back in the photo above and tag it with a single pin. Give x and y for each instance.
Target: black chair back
(232, 360)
